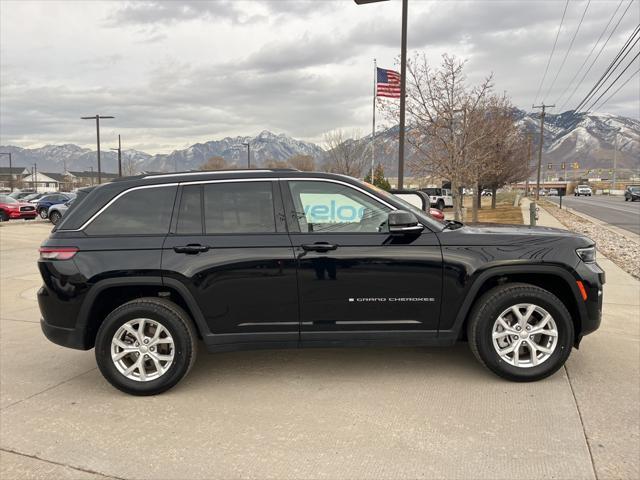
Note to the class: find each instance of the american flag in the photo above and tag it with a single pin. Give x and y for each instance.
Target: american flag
(388, 83)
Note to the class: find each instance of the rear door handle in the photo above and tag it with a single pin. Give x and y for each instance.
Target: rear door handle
(191, 249)
(319, 247)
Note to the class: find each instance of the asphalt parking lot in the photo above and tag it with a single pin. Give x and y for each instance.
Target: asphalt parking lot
(319, 413)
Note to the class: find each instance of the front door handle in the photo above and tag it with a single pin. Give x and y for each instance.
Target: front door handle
(191, 249)
(319, 247)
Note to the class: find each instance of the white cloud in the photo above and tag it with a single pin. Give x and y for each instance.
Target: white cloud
(175, 73)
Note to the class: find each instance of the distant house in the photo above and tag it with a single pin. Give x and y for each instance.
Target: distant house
(44, 182)
(14, 173)
(86, 178)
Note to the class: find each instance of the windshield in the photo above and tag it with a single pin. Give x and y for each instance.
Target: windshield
(7, 199)
(634, 189)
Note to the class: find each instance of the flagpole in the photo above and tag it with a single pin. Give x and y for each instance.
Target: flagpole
(373, 130)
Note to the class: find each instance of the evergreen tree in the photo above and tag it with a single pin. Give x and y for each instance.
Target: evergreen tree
(379, 179)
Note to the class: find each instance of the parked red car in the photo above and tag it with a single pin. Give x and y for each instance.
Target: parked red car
(435, 213)
(11, 208)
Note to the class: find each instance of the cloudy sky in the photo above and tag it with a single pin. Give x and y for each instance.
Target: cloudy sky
(177, 73)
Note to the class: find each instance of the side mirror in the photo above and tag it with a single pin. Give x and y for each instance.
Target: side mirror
(403, 222)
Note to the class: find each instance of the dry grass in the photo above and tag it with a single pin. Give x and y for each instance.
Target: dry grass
(504, 212)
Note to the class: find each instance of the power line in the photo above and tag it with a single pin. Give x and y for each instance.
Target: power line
(614, 82)
(552, 51)
(596, 57)
(591, 52)
(575, 34)
(619, 88)
(609, 70)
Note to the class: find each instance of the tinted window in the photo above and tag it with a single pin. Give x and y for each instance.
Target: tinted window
(145, 211)
(190, 214)
(239, 207)
(330, 207)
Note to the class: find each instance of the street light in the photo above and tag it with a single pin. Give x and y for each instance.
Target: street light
(97, 119)
(10, 172)
(119, 150)
(403, 85)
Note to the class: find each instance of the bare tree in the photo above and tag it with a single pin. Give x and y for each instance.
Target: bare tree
(444, 117)
(505, 157)
(215, 163)
(306, 163)
(276, 164)
(345, 155)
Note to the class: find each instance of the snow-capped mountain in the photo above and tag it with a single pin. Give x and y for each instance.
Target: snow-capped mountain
(588, 139)
(264, 147)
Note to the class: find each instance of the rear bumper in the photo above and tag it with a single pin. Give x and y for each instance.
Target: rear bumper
(67, 337)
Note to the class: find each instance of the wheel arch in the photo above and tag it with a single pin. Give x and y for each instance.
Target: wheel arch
(108, 294)
(554, 279)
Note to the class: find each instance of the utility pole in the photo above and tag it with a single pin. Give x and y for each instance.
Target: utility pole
(97, 119)
(544, 108)
(403, 93)
(248, 145)
(10, 170)
(91, 176)
(529, 152)
(34, 175)
(119, 150)
(615, 159)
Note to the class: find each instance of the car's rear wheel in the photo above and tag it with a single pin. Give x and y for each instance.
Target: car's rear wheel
(43, 213)
(520, 332)
(55, 217)
(146, 346)
(440, 205)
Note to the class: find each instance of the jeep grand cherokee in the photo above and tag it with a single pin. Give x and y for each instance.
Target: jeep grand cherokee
(144, 267)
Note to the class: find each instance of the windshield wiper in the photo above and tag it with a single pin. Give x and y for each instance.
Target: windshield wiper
(452, 225)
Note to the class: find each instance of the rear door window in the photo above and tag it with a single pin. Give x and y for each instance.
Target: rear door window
(239, 207)
(146, 211)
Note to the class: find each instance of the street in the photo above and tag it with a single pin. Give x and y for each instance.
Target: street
(317, 413)
(613, 210)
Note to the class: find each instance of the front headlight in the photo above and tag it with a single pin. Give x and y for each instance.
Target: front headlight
(587, 255)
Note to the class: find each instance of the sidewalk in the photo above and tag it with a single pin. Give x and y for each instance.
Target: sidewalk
(604, 373)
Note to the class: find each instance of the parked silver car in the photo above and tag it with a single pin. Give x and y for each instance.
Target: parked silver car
(56, 211)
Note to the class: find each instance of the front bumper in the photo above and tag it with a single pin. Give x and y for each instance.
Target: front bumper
(593, 279)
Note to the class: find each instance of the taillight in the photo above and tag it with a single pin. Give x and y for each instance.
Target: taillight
(57, 253)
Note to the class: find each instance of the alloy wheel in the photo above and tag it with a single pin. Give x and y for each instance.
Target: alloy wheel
(142, 349)
(525, 335)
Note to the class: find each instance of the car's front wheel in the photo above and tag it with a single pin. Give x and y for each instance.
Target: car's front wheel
(520, 332)
(146, 346)
(4, 216)
(440, 205)
(54, 217)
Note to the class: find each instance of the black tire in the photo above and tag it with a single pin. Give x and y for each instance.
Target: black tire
(55, 217)
(440, 205)
(171, 317)
(43, 213)
(4, 216)
(626, 199)
(489, 307)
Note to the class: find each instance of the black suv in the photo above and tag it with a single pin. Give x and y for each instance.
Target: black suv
(144, 267)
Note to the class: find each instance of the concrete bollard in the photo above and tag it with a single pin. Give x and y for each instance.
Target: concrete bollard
(533, 214)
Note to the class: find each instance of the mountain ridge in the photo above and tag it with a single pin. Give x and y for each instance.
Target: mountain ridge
(587, 139)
